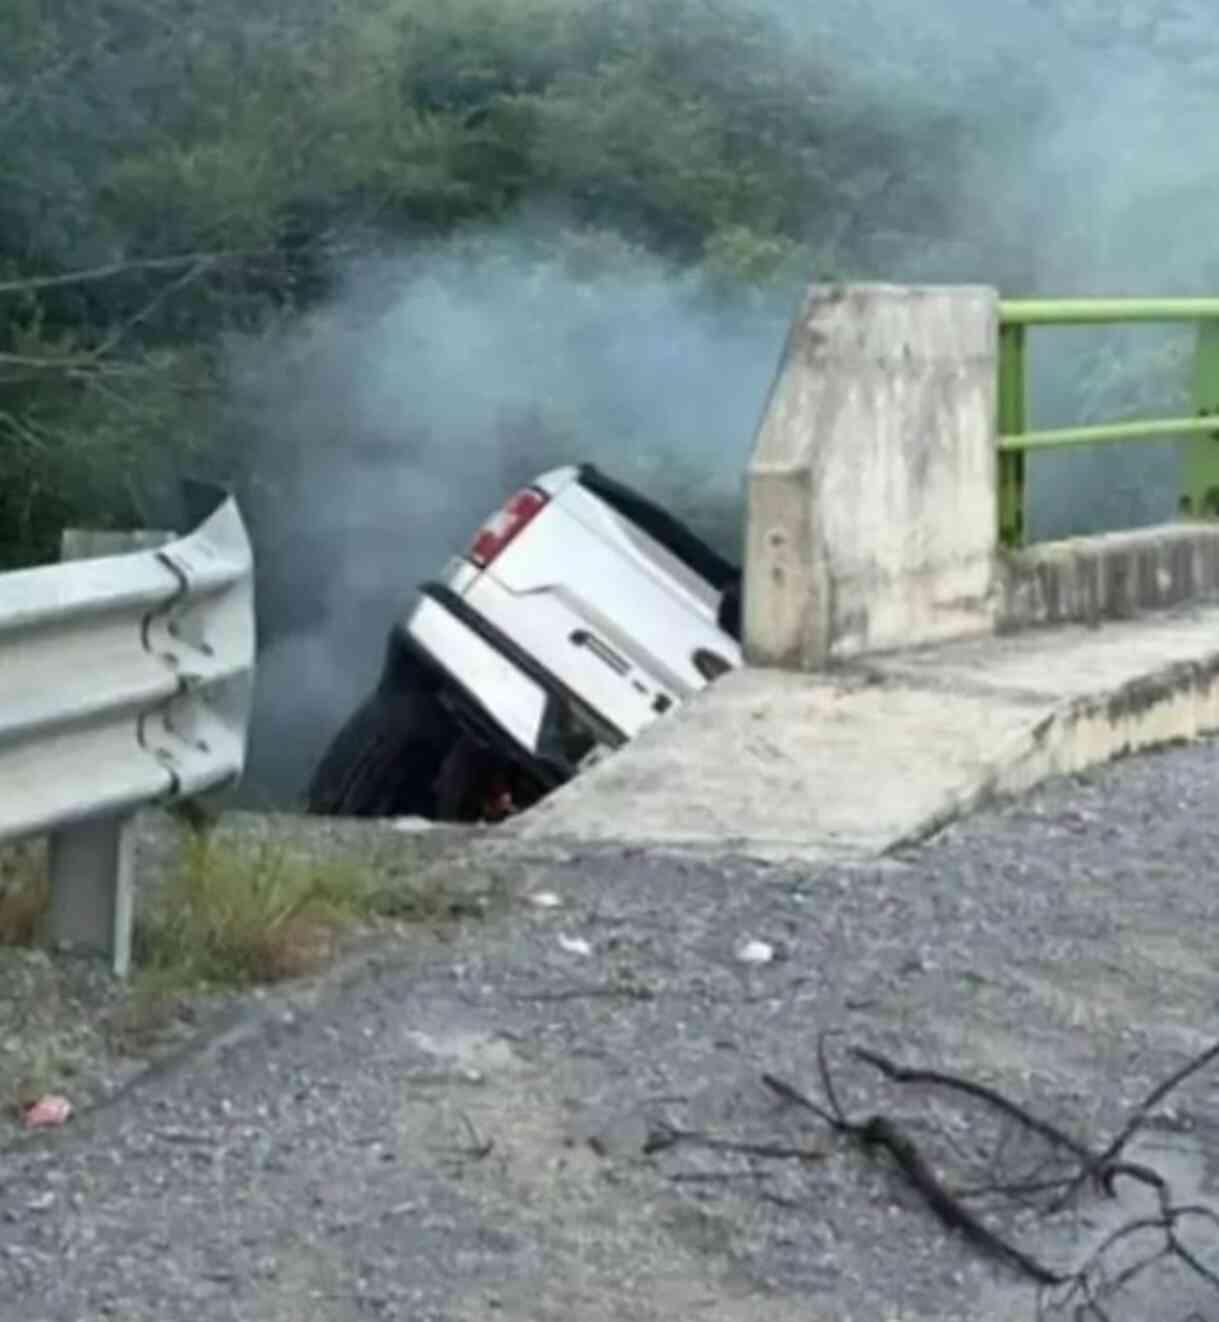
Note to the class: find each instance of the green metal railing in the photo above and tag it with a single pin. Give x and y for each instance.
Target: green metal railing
(1199, 494)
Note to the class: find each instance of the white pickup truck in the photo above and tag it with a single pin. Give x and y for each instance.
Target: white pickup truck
(580, 613)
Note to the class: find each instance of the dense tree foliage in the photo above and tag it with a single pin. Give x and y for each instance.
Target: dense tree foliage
(172, 175)
(175, 176)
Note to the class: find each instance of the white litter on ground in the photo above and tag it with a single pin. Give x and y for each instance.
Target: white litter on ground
(755, 952)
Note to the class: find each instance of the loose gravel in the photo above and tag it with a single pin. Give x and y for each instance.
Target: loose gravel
(462, 1124)
(68, 1027)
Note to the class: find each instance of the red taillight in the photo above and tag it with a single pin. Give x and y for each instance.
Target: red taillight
(504, 525)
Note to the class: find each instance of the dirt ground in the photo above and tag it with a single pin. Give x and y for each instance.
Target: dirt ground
(68, 1027)
(477, 1121)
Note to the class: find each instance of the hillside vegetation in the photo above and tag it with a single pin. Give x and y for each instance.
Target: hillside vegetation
(179, 180)
(172, 176)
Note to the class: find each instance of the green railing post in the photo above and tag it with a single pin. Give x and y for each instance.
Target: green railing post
(1200, 456)
(1011, 423)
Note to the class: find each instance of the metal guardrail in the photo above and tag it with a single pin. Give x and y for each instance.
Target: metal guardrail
(124, 680)
(1199, 494)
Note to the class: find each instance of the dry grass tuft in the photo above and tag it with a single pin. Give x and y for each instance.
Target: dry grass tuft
(233, 911)
(245, 912)
(25, 892)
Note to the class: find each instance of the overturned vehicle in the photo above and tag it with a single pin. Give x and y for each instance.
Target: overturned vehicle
(580, 613)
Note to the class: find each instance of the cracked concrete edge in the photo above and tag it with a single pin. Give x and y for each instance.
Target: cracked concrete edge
(1169, 703)
(696, 845)
(1173, 704)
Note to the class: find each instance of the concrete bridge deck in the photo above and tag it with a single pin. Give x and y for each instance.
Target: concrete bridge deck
(848, 763)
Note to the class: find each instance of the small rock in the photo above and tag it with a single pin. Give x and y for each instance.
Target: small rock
(755, 952)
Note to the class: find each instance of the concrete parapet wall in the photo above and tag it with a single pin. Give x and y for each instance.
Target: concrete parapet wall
(872, 519)
(1112, 576)
(871, 492)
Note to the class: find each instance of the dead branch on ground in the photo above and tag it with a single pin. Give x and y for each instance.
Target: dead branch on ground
(1067, 1168)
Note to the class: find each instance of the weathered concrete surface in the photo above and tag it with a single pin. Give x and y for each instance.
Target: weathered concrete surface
(871, 490)
(847, 763)
(1111, 576)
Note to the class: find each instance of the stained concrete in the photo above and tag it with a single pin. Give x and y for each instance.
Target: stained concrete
(847, 763)
(1111, 576)
(871, 487)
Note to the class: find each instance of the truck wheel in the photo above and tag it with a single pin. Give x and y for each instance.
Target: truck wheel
(477, 785)
(385, 760)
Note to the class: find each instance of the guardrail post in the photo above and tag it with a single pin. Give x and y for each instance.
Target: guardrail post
(91, 863)
(1012, 397)
(1200, 455)
(92, 902)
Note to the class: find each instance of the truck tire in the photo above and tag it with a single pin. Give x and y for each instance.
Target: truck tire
(385, 760)
(476, 784)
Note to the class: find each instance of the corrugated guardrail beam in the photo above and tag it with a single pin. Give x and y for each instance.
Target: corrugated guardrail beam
(124, 680)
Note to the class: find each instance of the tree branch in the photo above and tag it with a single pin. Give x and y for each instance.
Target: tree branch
(112, 270)
(1105, 1165)
(880, 1132)
(897, 1074)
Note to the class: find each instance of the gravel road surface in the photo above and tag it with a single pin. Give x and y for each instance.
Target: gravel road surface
(481, 1125)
